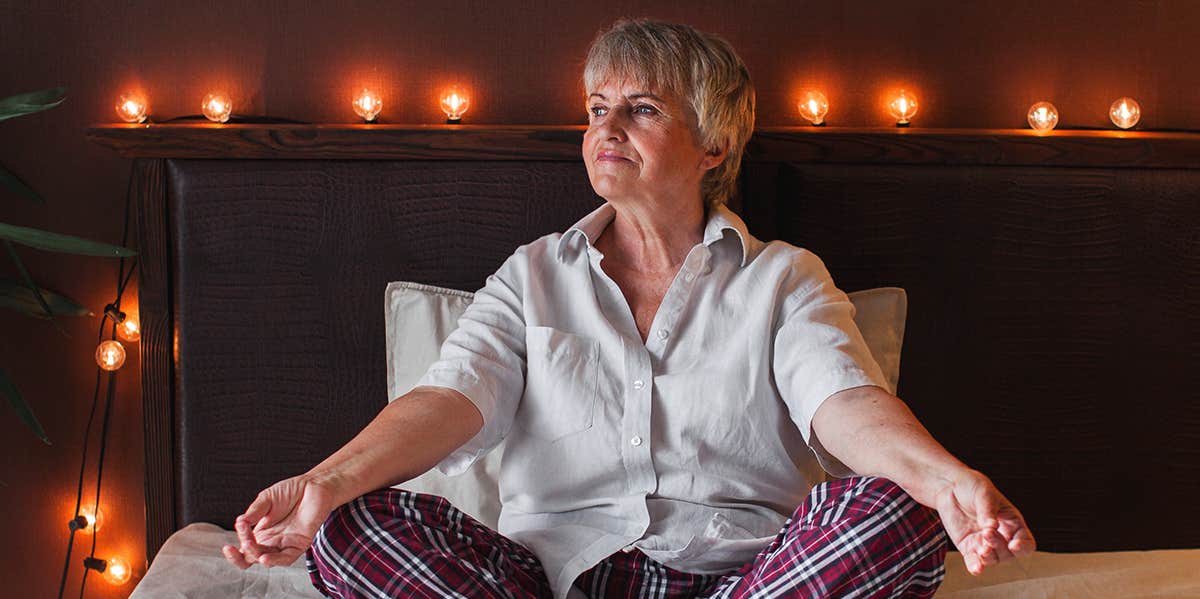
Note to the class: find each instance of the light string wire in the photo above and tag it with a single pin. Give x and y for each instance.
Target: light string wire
(122, 280)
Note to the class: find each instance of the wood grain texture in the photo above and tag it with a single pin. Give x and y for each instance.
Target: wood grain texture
(157, 350)
(999, 147)
(994, 147)
(400, 142)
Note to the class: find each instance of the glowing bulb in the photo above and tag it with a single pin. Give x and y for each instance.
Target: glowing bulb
(110, 355)
(95, 521)
(1125, 112)
(217, 107)
(903, 107)
(367, 105)
(117, 571)
(132, 108)
(1043, 116)
(454, 104)
(814, 106)
(130, 330)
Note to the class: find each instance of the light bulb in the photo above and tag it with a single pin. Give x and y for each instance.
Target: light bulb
(814, 106)
(130, 330)
(367, 105)
(454, 104)
(1043, 116)
(217, 107)
(903, 107)
(132, 108)
(95, 521)
(110, 355)
(1125, 112)
(117, 571)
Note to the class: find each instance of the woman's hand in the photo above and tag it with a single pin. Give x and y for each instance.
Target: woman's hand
(281, 522)
(983, 524)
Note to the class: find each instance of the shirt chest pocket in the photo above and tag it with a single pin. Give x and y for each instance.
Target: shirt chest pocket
(560, 383)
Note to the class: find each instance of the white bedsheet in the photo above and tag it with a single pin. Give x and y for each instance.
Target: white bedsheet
(190, 566)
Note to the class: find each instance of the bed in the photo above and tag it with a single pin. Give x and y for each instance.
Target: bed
(1053, 314)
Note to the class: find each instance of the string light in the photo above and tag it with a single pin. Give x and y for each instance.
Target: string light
(130, 330)
(367, 105)
(216, 107)
(132, 108)
(117, 571)
(94, 521)
(903, 107)
(110, 355)
(1125, 112)
(1043, 116)
(813, 107)
(454, 104)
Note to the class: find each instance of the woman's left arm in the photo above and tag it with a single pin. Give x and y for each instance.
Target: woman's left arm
(874, 433)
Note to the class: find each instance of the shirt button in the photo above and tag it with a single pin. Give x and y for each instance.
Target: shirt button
(663, 334)
(636, 441)
(688, 277)
(638, 384)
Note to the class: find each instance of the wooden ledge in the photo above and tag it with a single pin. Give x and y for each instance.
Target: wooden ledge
(985, 147)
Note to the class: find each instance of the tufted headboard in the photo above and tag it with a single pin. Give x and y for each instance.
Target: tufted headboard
(1053, 283)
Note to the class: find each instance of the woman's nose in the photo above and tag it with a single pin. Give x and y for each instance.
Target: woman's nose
(613, 127)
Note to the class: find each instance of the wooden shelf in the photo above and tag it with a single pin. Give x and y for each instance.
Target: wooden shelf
(991, 147)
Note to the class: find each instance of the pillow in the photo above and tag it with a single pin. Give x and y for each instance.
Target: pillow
(419, 317)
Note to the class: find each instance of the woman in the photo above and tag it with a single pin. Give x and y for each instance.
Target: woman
(668, 388)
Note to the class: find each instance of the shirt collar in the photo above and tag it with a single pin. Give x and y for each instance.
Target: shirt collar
(720, 219)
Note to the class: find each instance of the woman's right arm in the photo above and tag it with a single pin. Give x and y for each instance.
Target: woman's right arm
(408, 437)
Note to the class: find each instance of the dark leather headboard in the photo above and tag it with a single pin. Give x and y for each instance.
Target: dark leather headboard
(1054, 318)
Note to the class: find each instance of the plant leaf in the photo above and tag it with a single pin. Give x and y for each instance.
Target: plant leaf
(15, 183)
(15, 295)
(22, 408)
(12, 252)
(31, 102)
(56, 242)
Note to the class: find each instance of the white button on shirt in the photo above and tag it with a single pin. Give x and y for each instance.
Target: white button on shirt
(701, 472)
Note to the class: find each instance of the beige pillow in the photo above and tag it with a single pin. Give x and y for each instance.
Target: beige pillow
(419, 317)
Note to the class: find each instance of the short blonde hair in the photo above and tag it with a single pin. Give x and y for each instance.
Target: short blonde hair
(698, 67)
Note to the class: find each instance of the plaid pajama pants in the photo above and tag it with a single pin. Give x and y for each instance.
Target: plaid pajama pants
(855, 537)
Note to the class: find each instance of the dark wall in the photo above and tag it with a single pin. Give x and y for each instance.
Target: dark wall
(972, 65)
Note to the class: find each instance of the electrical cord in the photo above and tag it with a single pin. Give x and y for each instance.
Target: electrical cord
(79, 522)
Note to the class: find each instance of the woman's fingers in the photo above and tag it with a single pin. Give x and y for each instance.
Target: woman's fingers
(997, 544)
(258, 508)
(235, 557)
(250, 546)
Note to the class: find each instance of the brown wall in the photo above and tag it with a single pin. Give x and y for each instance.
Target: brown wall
(976, 65)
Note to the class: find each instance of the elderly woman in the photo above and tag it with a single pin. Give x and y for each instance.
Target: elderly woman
(668, 389)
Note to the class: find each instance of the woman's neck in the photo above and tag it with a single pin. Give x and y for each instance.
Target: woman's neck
(653, 239)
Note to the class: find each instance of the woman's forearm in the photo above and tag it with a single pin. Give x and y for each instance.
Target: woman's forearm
(408, 437)
(874, 433)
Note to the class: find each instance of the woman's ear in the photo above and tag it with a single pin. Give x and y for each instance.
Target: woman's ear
(715, 156)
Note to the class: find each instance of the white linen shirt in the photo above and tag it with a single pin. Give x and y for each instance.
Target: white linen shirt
(690, 446)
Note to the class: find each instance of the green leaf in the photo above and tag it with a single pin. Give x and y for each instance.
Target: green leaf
(22, 408)
(67, 244)
(15, 295)
(29, 103)
(12, 252)
(15, 183)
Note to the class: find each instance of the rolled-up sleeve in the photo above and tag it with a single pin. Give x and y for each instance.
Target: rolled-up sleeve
(818, 350)
(484, 359)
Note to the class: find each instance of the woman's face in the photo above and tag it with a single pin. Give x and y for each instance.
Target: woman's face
(640, 146)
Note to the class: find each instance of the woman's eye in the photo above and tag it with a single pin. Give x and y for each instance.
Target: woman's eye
(597, 110)
(644, 109)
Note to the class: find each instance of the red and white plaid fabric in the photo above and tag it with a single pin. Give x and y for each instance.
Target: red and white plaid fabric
(855, 537)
